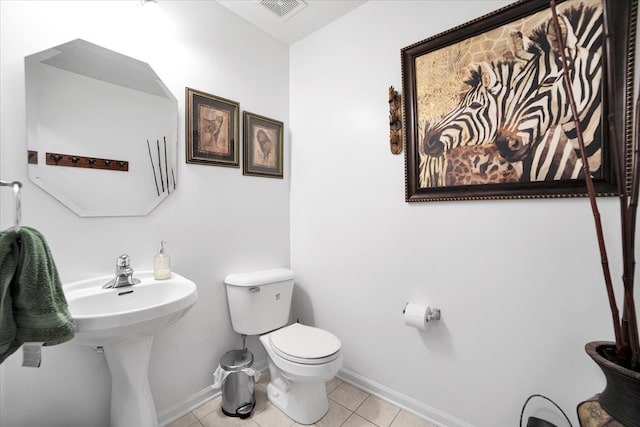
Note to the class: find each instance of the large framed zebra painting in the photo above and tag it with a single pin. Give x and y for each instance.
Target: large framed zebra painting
(486, 108)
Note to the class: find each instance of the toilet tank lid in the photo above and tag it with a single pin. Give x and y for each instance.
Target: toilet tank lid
(262, 277)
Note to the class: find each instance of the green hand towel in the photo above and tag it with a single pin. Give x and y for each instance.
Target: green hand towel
(39, 306)
(9, 254)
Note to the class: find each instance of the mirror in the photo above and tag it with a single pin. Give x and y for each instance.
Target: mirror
(102, 130)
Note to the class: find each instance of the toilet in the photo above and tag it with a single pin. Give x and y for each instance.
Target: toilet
(301, 358)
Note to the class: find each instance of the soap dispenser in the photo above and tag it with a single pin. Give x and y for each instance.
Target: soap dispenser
(162, 264)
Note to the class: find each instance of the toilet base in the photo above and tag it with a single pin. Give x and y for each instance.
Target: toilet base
(306, 403)
(299, 390)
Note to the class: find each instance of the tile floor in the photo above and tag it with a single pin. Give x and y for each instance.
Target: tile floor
(348, 407)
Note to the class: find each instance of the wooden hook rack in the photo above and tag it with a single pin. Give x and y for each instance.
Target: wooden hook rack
(57, 159)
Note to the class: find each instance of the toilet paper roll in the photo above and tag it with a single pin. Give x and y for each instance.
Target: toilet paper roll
(416, 315)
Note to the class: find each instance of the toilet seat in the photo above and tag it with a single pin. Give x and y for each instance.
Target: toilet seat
(305, 344)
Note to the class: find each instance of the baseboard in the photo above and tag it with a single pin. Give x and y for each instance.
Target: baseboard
(192, 402)
(407, 403)
(172, 413)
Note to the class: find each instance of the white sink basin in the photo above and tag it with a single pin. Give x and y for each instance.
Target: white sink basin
(123, 321)
(104, 316)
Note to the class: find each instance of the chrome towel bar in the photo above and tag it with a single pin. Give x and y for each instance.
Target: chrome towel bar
(17, 187)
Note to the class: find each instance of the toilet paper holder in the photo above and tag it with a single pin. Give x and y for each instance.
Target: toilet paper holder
(432, 314)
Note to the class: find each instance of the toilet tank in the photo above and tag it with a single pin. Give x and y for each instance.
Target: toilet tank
(259, 301)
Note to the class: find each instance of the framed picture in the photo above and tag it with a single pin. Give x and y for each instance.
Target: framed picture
(486, 110)
(262, 153)
(211, 129)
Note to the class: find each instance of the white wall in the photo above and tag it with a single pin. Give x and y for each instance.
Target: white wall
(519, 282)
(217, 222)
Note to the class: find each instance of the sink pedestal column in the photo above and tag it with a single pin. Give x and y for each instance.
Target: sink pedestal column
(131, 399)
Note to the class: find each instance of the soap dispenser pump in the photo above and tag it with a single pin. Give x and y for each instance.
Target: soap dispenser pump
(162, 264)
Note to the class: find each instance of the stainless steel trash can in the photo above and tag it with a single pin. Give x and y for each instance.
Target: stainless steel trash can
(238, 388)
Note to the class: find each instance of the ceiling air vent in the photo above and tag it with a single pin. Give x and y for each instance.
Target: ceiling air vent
(285, 9)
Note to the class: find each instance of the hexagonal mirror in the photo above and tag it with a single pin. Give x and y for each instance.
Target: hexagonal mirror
(102, 130)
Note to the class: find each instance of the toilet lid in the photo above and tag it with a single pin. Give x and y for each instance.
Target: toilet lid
(304, 342)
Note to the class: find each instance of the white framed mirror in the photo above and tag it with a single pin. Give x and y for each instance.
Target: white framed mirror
(102, 130)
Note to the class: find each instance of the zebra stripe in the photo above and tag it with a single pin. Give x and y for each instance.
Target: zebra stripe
(431, 171)
(553, 159)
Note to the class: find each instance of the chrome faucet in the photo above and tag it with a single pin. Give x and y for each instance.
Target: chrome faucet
(124, 274)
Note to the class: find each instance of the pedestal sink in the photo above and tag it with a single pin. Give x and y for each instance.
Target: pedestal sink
(122, 321)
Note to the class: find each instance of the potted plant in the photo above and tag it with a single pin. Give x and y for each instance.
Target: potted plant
(619, 361)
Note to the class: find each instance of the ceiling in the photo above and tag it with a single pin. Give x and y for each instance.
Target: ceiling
(310, 16)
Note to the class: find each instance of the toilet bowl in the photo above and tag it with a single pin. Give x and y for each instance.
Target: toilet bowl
(301, 358)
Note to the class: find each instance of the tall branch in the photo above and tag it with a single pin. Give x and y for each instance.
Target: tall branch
(620, 349)
(628, 203)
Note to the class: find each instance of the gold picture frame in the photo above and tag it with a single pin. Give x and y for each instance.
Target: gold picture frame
(212, 129)
(262, 146)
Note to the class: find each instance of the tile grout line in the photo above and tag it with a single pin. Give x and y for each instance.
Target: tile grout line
(354, 411)
(394, 418)
(364, 417)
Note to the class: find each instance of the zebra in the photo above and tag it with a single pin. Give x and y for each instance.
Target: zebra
(539, 99)
(508, 105)
(475, 120)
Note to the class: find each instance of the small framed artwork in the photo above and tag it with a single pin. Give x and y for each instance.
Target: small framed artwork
(262, 154)
(212, 129)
